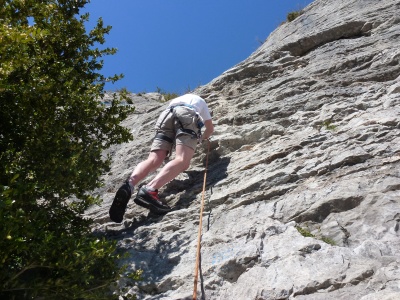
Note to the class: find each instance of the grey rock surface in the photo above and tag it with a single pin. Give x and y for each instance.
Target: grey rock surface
(307, 141)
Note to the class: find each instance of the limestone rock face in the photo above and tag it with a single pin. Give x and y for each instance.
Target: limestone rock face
(303, 182)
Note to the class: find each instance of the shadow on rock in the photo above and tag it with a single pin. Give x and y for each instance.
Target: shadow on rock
(130, 226)
(186, 191)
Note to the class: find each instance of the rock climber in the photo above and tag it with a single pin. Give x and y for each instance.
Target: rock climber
(179, 124)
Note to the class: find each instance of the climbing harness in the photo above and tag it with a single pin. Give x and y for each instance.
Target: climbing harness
(160, 136)
(196, 272)
(181, 130)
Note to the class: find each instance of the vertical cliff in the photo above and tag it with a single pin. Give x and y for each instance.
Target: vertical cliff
(303, 189)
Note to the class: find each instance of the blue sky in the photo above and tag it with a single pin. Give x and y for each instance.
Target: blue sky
(178, 45)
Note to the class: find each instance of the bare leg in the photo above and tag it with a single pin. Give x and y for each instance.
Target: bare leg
(152, 163)
(172, 169)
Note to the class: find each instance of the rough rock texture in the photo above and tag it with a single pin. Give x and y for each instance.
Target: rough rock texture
(307, 136)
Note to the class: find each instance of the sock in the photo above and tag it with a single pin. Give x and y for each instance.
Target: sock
(131, 185)
(149, 188)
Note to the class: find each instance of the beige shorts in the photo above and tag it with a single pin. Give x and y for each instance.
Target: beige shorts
(167, 127)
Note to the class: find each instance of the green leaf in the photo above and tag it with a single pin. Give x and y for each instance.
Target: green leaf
(53, 133)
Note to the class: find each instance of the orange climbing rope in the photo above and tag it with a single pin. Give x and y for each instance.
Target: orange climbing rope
(196, 272)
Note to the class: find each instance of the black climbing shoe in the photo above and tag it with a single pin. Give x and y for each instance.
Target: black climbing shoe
(149, 199)
(118, 207)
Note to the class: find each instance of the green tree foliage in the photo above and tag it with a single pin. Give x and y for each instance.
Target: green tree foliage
(293, 15)
(166, 96)
(52, 134)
